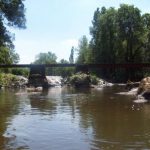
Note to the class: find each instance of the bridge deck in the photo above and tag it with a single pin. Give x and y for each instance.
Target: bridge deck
(127, 65)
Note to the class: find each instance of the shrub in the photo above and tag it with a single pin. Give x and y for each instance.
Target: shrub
(80, 79)
(20, 71)
(94, 79)
(7, 79)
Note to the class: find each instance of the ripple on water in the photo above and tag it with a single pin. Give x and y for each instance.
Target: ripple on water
(140, 101)
(104, 144)
(74, 120)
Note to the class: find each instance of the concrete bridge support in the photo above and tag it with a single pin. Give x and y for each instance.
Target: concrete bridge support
(37, 76)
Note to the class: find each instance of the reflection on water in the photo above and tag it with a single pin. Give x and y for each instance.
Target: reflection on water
(73, 119)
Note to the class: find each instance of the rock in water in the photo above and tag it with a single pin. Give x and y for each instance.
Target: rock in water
(54, 80)
(33, 89)
(144, 88)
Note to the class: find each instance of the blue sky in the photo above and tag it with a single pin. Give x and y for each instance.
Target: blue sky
(57, 25)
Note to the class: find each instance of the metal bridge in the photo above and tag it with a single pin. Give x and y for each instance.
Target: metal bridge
(123, 65)
(37, 71)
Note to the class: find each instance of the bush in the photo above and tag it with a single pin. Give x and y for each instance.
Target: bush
(7, 79)
(94, 79)
(20, 71)
(80, 79)
(10, 80)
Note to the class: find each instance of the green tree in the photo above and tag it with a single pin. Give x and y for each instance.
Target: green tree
(131, 32)
(120, 36)
(146, 24)
(71, 58)
(12, 13)
(84, 55)
(103, 42)
(94, 31)
(45, 58)
(131, 37)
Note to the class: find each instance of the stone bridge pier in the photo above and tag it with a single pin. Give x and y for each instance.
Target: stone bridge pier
(37, 76)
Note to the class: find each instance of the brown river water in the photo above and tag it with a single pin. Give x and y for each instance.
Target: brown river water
(73, 119)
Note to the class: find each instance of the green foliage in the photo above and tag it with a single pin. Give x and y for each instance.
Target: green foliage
(45, 58)
(7, 79)
(20, 71)
(118, 36)
(94, 79)
(11, 80)
(8, 56)
(130, 32)
(84, 55)
(71, 58)
(12, 13)
(80, 79)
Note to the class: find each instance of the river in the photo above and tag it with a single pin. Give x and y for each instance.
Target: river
(73, 119)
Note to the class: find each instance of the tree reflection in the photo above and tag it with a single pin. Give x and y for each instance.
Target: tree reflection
(8, 108)
(112, 122)
(41, 102)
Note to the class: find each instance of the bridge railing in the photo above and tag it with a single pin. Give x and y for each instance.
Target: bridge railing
(104, 65)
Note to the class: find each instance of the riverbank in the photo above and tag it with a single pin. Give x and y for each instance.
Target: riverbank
(77, 80)
(12, 81)
(139, 90)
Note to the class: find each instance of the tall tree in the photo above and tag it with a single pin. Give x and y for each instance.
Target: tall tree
(131, 31)
(120, 36)
(146, 24)
(103, 34)
(71, 58)
(84, 55)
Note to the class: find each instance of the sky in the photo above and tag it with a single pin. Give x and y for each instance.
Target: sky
(57, 25)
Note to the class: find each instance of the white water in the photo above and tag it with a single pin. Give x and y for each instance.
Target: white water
(54, 80)
(131, 92)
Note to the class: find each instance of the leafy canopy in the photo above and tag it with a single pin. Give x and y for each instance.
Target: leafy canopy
(12, 14)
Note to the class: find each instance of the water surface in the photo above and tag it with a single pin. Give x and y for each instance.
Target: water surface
(73, 119)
